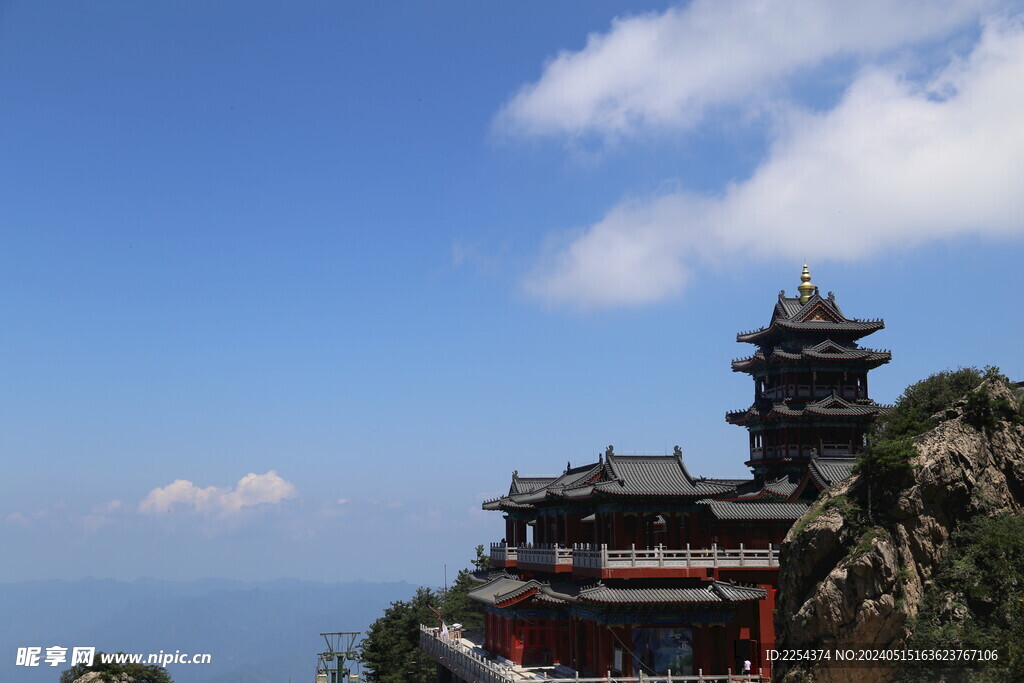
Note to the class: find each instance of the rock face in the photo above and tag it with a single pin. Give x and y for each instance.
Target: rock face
(96, 677)
(845, 582)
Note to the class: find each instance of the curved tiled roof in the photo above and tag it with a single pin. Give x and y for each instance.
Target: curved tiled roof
(618, 475)
(757, 511)
(653, 475)
(829, 471)
(829, 406)
(507, 591)
(827, 351)
(711, 592)
(488, 575)
(778, 489)
(790, 315)
(537, 489)
(527, 484)
(502, 589)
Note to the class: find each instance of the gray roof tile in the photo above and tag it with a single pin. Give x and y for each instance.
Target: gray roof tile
(734, 510)
(829, 406)
(830, 471)
(654, 475)
(789, 314)
(712, 592)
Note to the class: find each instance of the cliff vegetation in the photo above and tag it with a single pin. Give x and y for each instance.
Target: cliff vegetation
(390, 652)
(923, 547)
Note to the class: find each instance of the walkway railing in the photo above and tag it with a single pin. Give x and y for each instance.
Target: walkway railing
(503, 553)
(590, 556)
(475, 664)
(544, 553)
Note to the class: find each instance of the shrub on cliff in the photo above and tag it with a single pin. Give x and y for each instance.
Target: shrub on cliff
(976, 600)
(136, 673)
(885, 460)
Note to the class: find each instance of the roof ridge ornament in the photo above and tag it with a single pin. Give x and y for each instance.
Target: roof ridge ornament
(805, 287)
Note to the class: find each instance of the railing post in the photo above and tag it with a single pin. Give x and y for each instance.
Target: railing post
(741, 555)
(714, 555)
(661, 555)
(687, 555)
(632, 554)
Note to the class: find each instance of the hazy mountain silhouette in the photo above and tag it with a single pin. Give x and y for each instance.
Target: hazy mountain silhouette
(257, 632)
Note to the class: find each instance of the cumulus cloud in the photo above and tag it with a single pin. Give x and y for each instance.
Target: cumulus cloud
(666, 69)
(894, 164)
(250, 491)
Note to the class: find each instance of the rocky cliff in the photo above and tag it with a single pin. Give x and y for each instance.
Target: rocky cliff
(855, 568)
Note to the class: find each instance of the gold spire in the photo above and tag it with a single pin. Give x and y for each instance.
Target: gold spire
(806, 288)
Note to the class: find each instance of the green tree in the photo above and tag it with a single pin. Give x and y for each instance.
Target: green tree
(885, 461)
(458, 607)
(912, 414)
(390, 649)
(976, 600)
(139, 673)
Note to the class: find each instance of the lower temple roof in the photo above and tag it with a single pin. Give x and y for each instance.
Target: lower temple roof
(506, 590)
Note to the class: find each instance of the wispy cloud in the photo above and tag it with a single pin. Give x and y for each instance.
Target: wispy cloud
(101, 515)
(666, 69)
(251, 490)
(896, 163)
(18, 519)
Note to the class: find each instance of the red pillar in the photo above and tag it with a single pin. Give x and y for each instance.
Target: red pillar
(603, 650)
(702, 644)
(571, 654)
(765, 625)
(518, 636)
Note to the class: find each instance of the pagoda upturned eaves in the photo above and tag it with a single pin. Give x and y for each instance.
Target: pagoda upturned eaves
(608, 566)
(810, 383)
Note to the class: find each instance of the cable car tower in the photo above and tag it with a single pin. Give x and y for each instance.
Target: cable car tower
(333, 666)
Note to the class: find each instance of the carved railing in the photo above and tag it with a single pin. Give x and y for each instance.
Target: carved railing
(591, 556)
(547, 554)
(478, 665)
(503, 553)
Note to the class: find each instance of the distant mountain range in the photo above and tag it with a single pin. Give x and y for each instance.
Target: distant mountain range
(256, 632)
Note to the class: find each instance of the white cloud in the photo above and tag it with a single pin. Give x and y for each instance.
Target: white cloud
(100, 516)
(252, 490)
(18, 519)
(667, 69)
(895, 164)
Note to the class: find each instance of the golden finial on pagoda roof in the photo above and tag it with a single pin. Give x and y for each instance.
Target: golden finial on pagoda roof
(806, 288)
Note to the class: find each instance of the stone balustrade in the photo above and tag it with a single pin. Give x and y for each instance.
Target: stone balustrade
(590, 556)
(476, 664)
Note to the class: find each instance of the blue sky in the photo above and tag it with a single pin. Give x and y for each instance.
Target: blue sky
(289, 288)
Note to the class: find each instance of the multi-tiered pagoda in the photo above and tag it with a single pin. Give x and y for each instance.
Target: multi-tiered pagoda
(810, 384)
(629, 566)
